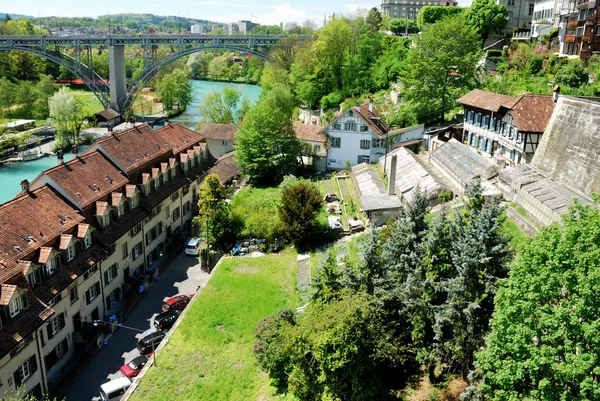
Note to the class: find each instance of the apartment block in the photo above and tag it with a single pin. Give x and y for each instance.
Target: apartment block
(79, 238)
(410, 8)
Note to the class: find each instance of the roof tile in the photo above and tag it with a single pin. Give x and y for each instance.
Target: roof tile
(224, 132)
(309, 132)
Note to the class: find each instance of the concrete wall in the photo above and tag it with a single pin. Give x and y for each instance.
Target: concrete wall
(570, 146)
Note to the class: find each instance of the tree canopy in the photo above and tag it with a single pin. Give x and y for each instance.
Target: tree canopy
(227, 106)
(441, 66)
(487, 17)
(543, 343)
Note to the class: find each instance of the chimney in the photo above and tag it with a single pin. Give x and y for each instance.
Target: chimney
(370, 105)
(556, 91)
(392, 176)
(60, 157)
(358, 107)
(74, 151)
(25, 186)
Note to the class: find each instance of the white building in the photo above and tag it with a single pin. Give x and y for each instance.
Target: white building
(197, 29)
(410, 8)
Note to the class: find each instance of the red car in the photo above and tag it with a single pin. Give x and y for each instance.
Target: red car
(133, 368)
(178, 302)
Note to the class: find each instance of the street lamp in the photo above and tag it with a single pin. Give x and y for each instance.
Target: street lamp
(97, 323)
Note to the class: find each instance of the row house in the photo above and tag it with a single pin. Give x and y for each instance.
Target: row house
(74, 241)
(579, 28)
(508, 128)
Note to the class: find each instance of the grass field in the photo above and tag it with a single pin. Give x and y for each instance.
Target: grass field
(518, 238)
(210, 355)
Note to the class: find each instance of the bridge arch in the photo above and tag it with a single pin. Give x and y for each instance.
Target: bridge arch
(152, 70)
(95, 83)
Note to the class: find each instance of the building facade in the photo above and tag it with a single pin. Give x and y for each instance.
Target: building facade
(579, 29)
(410, 8)
(520, 13)
(80, 238)
(545, 17)
(357, 135)
(506, 127)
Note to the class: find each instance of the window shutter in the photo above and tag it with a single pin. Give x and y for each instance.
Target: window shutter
(61, 320)
(87, 297)
(114, 270)
(65, 345)
(374, 143)
(33, 364)
(118, 293)
(49, 328)
(106, 277)
(17, 376)
(97, 287)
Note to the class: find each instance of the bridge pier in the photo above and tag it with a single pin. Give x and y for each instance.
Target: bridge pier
(118, 80)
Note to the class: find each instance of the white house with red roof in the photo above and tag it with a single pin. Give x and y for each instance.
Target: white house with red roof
(357, 135)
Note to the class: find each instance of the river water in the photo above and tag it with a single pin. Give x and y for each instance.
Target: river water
(11, 175)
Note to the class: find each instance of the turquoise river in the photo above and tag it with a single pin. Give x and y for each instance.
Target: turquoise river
(11, 175)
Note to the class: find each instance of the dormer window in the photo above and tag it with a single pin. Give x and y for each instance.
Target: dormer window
(70, 253)
(121, 210)
(17, 304)
(134, 201)
(51, 266)
(106, 220)
(350, 113)
(87, 240)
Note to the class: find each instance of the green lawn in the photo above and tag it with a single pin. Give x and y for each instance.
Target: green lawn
(210, 355)
(518, 238)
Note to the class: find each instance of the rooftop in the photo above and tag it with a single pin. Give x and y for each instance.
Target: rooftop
(532, 112)
(308, 132)
(86, 178)
(487, 100)
(179, 137)
(371, 118)
(372, 191)
(225, 167)
(30, 220)
(225, 132)
(462, 163)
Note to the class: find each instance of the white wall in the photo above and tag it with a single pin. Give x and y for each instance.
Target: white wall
(218, 147)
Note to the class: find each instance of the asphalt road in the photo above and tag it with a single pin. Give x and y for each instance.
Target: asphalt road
(182, 276)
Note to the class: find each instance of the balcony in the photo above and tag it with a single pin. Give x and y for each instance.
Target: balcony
(587, 37)
(585, 54)
(521, 36)
(570, 39)
(572, 24)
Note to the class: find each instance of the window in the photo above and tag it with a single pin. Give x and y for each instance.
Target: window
(56, 354)
(316, 148)
(136, 251)
(337, 127)
(175, 214)
(486, 121)
(92, 293)
(35, 277)
(51, 266)
(73, 295)
(156, 210)
(136, 229)
(364, 128)
(90, 272)
(365, 144)
(531, 5)
(175, 196)
(110, 274)
(14, 306)
(25, 371)
(70, 252)
(350, 126)
(364, 159)
(87, 240)
(134, 201)
(167, 211)
(186, 207)
(121, 210)
(511, 2)
(124, 251)
(113, 298)
(380, 143)
(478, 119)
(55, 325)
(350, 113)
(336, 142)
(106, 220)
(224, 143)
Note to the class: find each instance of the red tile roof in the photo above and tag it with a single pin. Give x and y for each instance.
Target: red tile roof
(101, 208)
(225, 168)
(45, 253)
(130, 190)
(487, 100)
(532, 112)
(82, 230)
(41, 214)
(179, 137)
(372, 119)
(86, 178)
(163, 167)
(155, 172)
(65, 240)
(218, 131)
(307, 132)
(115, 198)
(133, 147)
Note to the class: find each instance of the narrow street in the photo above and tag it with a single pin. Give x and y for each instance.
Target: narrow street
(182, 276)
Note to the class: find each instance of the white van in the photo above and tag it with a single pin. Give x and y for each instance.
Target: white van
(114, 389)
(193, 247)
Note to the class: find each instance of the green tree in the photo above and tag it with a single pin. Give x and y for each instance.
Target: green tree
(67, 115)
(214, 212)
(273, 76)
(25, 97)
(543, 343)
(217, 66)
(266, 147)
(182, 89)
(44, 89)
(301, 204)
(7, 90)
(441, 66)
(398, 26)
(487, 17)
(374, 20)
(432, 14)
(572, 74)
(227, 106)
(20, 394)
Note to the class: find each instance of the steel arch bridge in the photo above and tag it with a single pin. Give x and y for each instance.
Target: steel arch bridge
(118, 93)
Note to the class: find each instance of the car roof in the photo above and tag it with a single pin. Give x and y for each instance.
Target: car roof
(166, 314)
(193, 241)
(154, 334)
(115, 384)
(139, 360)
(176, 298)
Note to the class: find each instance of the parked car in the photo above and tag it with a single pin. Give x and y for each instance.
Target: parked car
(178, 302)
(133, 367)
(114, 389)
(192, 247)
(147, 344)
(166, 320)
